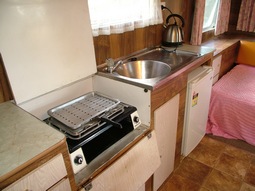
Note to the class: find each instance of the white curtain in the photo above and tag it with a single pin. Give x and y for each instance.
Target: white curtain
(118, 16)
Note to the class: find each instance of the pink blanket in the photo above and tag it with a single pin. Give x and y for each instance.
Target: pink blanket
(232, 106)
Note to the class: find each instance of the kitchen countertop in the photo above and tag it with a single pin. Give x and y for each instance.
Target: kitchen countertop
(222, 42)
(22, 137)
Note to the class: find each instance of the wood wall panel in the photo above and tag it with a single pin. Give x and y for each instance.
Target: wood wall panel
(102, 47)
(128, 43)
(229, 56)
(115, 40)
(118, 45)
(140, 38)
(234, 12)
(5, 90)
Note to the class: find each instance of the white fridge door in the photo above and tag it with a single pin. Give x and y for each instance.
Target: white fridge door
(196, 110)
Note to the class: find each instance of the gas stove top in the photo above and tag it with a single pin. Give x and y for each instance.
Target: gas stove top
(92, 124)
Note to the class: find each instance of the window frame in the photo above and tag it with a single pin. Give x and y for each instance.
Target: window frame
(213, 18)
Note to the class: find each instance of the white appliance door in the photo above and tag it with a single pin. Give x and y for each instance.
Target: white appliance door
(197, 106)
(45, 45)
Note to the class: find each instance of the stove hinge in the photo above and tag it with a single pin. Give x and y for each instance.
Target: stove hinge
(88, 186)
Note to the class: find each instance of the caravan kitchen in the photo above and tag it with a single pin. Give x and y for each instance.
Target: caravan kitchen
(76, 124)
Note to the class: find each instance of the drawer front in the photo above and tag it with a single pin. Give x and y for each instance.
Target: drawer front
(43, 177)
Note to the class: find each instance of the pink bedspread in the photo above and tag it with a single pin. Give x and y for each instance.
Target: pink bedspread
(232, 106)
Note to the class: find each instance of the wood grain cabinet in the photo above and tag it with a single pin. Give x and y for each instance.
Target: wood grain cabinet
(50, 176)
(132, 170)
(165, 124)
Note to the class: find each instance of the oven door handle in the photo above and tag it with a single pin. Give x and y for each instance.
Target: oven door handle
(115, 124)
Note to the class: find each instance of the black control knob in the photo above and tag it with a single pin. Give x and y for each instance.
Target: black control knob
(78, 159)
(136, 119)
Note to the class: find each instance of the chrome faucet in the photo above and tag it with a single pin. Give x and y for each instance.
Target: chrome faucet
(111, 66)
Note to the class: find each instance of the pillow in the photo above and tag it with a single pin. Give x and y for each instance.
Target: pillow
(246, 53)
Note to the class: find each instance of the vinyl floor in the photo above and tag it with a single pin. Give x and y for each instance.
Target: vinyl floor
(214, 166)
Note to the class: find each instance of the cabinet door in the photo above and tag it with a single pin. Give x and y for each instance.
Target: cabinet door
(43, 177)
(166, 121)
(132, 170)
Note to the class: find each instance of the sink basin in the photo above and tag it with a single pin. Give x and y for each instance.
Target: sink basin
(147, 67)
(143, 69)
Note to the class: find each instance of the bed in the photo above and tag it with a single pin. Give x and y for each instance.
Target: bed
(232, 105)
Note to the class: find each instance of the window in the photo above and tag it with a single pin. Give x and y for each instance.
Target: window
(210, 14)
(118, 16)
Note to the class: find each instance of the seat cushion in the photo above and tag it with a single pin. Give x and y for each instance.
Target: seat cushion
(246, 53)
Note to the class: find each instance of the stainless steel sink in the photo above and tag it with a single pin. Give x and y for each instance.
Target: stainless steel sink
(147, 67)
(143, 69)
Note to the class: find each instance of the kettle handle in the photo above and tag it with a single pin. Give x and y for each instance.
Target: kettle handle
(175, 15)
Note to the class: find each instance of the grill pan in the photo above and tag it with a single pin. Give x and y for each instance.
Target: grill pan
(81, 110)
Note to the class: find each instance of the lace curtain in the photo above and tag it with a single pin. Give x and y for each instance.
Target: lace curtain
(118, 16)
(222, 20)
(246, 18)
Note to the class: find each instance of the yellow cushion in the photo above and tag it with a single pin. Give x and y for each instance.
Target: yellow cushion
(246, 53)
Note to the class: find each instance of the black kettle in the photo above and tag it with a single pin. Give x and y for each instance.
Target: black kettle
(173, 34)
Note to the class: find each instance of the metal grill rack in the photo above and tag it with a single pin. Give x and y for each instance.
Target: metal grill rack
(81, 110)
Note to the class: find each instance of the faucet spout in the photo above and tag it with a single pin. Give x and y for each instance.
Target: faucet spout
(117, 64)
(111, 66)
